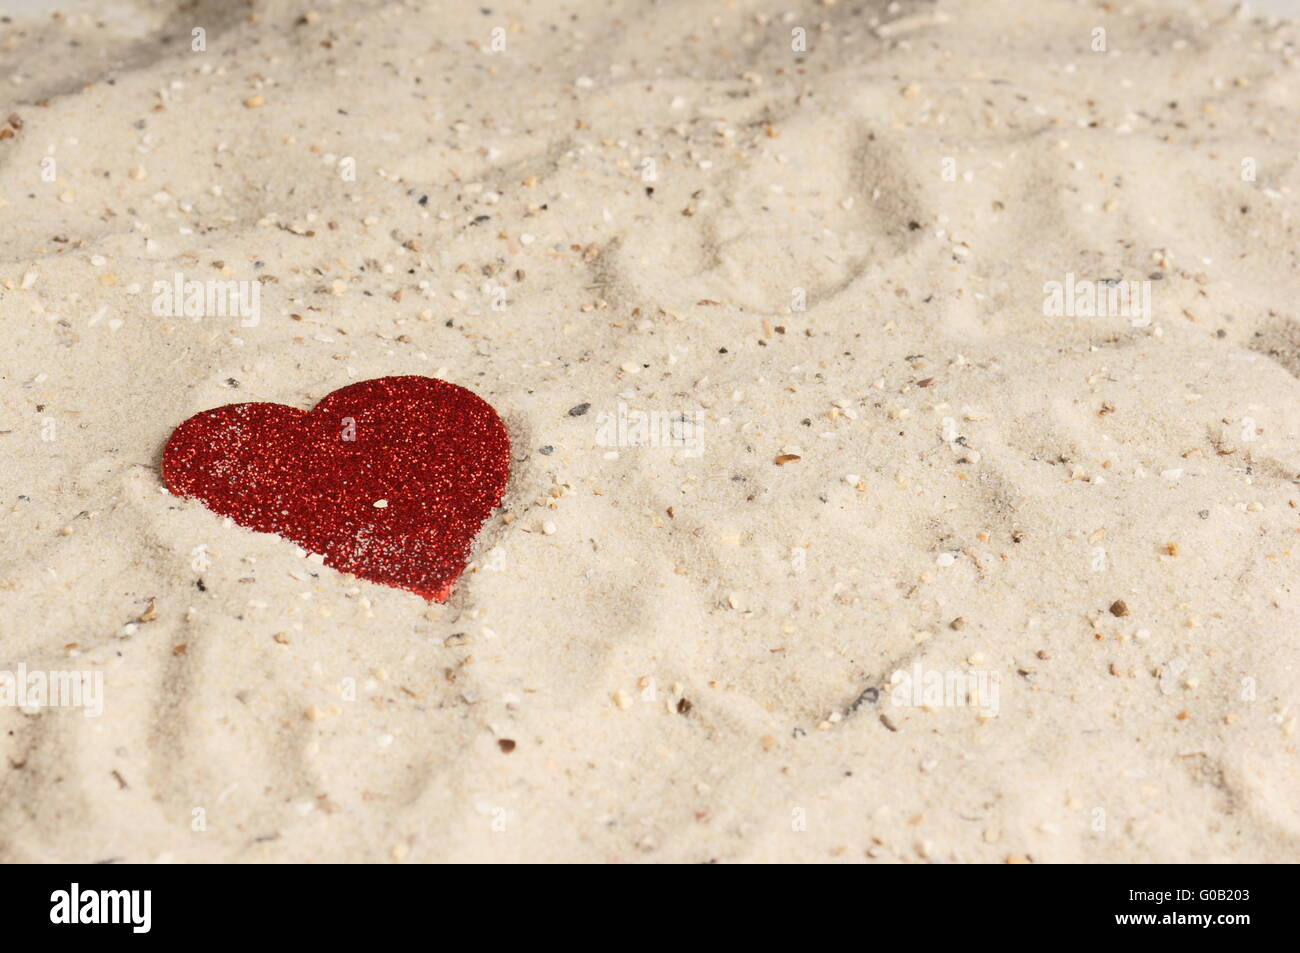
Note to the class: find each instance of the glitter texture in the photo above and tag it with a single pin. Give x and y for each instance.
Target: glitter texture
(434, 456)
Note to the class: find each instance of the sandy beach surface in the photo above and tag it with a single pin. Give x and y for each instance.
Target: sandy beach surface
(903, 402)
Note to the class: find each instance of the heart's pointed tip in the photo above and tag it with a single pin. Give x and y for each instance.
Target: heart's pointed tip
(439, 594)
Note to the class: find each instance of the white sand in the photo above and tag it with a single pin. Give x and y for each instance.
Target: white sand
(677, 664)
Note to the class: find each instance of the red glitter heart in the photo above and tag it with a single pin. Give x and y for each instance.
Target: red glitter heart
(434, 456)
